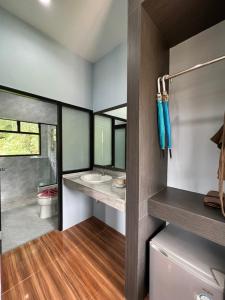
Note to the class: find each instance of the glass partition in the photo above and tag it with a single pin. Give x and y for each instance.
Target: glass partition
(76, 139)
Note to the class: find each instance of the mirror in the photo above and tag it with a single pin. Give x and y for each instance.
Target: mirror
(110, 137)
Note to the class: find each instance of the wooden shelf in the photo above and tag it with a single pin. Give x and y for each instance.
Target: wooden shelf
(186, 209)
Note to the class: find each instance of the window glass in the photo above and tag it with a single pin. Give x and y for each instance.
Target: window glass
(75, 139)
(29, 127)
(19, 144)
(8, 125)
(19, 138)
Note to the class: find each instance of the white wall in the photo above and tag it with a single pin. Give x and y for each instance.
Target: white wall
(111, 216)
(32, 62)
(110, 89)
(110, 79)
(76, 207)
(197, 104)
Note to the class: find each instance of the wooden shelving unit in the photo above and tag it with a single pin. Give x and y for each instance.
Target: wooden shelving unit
(154, 27)
(186, 209)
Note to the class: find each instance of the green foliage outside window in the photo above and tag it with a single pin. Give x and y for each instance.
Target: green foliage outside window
(29, 127)
(16, 142)
(8, 125)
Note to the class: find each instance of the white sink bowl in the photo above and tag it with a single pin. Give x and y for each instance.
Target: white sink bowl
(95, 178)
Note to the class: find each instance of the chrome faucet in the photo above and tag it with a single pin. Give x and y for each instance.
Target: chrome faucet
(102, 172)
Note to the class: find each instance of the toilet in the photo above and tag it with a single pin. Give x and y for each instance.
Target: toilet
(48, 199)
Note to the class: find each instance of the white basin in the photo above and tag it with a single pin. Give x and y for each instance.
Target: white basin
(95, 178)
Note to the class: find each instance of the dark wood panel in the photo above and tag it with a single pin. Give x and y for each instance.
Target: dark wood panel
(154, 61)
(83, 262)
(133, 5)
(132, 164)
(179, 20)
(146, 169)
(186, 209)
(153, 27)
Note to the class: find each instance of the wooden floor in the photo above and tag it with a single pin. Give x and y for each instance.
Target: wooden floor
(83, 262)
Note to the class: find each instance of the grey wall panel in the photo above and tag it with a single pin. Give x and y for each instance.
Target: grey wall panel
(27, 109)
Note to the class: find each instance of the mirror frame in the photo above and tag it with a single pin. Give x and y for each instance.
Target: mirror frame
(114, 127)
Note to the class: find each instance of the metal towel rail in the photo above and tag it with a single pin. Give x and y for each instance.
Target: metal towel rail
(194, 67)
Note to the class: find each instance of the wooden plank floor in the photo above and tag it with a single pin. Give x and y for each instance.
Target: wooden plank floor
(83, 262)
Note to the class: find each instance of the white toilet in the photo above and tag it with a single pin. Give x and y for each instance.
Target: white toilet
(48, 205)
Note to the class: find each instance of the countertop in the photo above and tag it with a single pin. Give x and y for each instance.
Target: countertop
(102, 192)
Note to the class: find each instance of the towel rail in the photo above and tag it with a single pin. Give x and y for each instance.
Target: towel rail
(194, 68)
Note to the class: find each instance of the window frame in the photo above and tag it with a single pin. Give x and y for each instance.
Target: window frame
(18, 131)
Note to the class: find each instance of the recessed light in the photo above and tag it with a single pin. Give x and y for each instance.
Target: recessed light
(45, 2)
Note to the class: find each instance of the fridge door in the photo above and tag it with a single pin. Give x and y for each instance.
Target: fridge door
(172, 281)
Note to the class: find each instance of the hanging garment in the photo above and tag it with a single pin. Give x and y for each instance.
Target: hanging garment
(217, 199)
(218, 139)
(221, 171)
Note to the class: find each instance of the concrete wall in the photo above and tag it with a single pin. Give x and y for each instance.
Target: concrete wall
(197, 104)
(26, 109)
(24, 174)
(110, 79)
(32, 62)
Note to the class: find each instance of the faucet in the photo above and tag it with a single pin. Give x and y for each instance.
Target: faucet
(103, 169)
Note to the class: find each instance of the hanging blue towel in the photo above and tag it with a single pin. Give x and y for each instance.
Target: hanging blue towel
(161, 124)
(166, 115)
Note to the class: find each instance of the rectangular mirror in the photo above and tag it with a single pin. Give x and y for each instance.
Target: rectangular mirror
(110, 137)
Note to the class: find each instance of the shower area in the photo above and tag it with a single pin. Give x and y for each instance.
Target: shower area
(28, 160)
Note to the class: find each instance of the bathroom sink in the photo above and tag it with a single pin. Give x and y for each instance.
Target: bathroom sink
(95, 178)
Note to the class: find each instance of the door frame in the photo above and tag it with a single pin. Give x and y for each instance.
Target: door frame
(60, 172)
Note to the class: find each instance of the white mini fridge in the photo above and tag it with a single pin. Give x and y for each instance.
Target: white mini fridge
(184, 266)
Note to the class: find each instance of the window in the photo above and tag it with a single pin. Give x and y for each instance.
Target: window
(19, 138)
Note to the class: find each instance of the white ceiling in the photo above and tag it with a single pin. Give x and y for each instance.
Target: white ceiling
(89, 28)
(119, 112)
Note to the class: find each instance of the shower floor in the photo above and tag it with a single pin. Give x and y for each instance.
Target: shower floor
(18, 202)
(22, 224)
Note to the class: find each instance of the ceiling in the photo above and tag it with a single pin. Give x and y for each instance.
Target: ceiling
(119, 112)
(89, 28)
